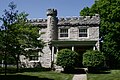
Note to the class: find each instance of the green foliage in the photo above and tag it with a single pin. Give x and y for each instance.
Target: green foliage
(109, 11)
(66, 58)
(18, 34)
(93, 59)
(10, 59)
(85, 11)
(9, 70)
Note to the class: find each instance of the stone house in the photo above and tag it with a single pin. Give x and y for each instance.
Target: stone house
(76, 33)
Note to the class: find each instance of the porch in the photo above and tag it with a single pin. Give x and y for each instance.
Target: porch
(78, 46)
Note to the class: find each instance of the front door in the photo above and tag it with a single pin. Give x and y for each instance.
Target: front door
(81, 50)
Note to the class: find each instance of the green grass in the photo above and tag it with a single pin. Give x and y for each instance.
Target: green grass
(113, 75)
(45, 75)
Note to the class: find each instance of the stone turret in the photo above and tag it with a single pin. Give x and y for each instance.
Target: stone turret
(52, 20)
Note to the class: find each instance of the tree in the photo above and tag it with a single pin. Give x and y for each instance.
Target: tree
(85, 11)
(67, 59)
(18, 34)
(109, 11)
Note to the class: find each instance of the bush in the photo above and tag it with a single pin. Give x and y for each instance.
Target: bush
(66, 58)
(93, 59)
(8, 70)
(34, 69)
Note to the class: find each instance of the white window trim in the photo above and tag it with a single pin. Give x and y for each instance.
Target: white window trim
(64, 37)
(87, 32)
(34, 61)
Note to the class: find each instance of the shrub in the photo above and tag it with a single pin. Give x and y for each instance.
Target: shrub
(66, 58)
(8, 70)
(93, 59)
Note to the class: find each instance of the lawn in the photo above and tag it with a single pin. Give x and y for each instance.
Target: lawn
(112, 75)
(45, 75)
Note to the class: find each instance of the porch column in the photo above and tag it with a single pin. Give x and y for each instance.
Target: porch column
(57, 49)
(72, 48)
(93, 47)
(52, 53)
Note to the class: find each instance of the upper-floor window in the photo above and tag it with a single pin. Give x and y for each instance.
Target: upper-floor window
(63, 32)
(83, 32)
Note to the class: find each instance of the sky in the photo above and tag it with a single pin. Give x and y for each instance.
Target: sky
(37, 8)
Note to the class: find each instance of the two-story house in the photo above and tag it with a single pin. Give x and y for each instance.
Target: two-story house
(76, 33)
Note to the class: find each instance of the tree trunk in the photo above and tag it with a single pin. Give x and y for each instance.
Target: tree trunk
(17, 61)
(5, 61)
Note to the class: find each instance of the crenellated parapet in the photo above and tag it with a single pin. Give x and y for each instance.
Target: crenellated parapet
(71, 21)
(51, 12)
(82, 20)
(37, 20)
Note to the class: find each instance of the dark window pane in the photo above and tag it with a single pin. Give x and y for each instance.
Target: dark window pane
(83, 32)
(63, 32)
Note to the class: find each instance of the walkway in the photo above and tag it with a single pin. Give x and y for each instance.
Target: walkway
(80, 77)
(80, 74)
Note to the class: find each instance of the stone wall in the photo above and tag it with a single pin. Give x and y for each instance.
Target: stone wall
(73, 33)
(45, 58)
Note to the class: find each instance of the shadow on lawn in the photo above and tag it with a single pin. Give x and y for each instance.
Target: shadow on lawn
(83, 71)
(34, 69)
(75, 71)
(21, 77)
(13, 70)
(102, 70)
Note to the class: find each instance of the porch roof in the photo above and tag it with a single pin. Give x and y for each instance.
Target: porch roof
(72, 43)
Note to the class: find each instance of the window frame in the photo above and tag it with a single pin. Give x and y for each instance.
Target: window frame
(64, 33)
(84, 34)
(34, 58)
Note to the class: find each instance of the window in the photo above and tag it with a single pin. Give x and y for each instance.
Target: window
(63, 32)
(83, 32)
(33, 57)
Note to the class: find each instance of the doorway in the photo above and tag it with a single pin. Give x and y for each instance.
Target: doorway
(81, 50)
